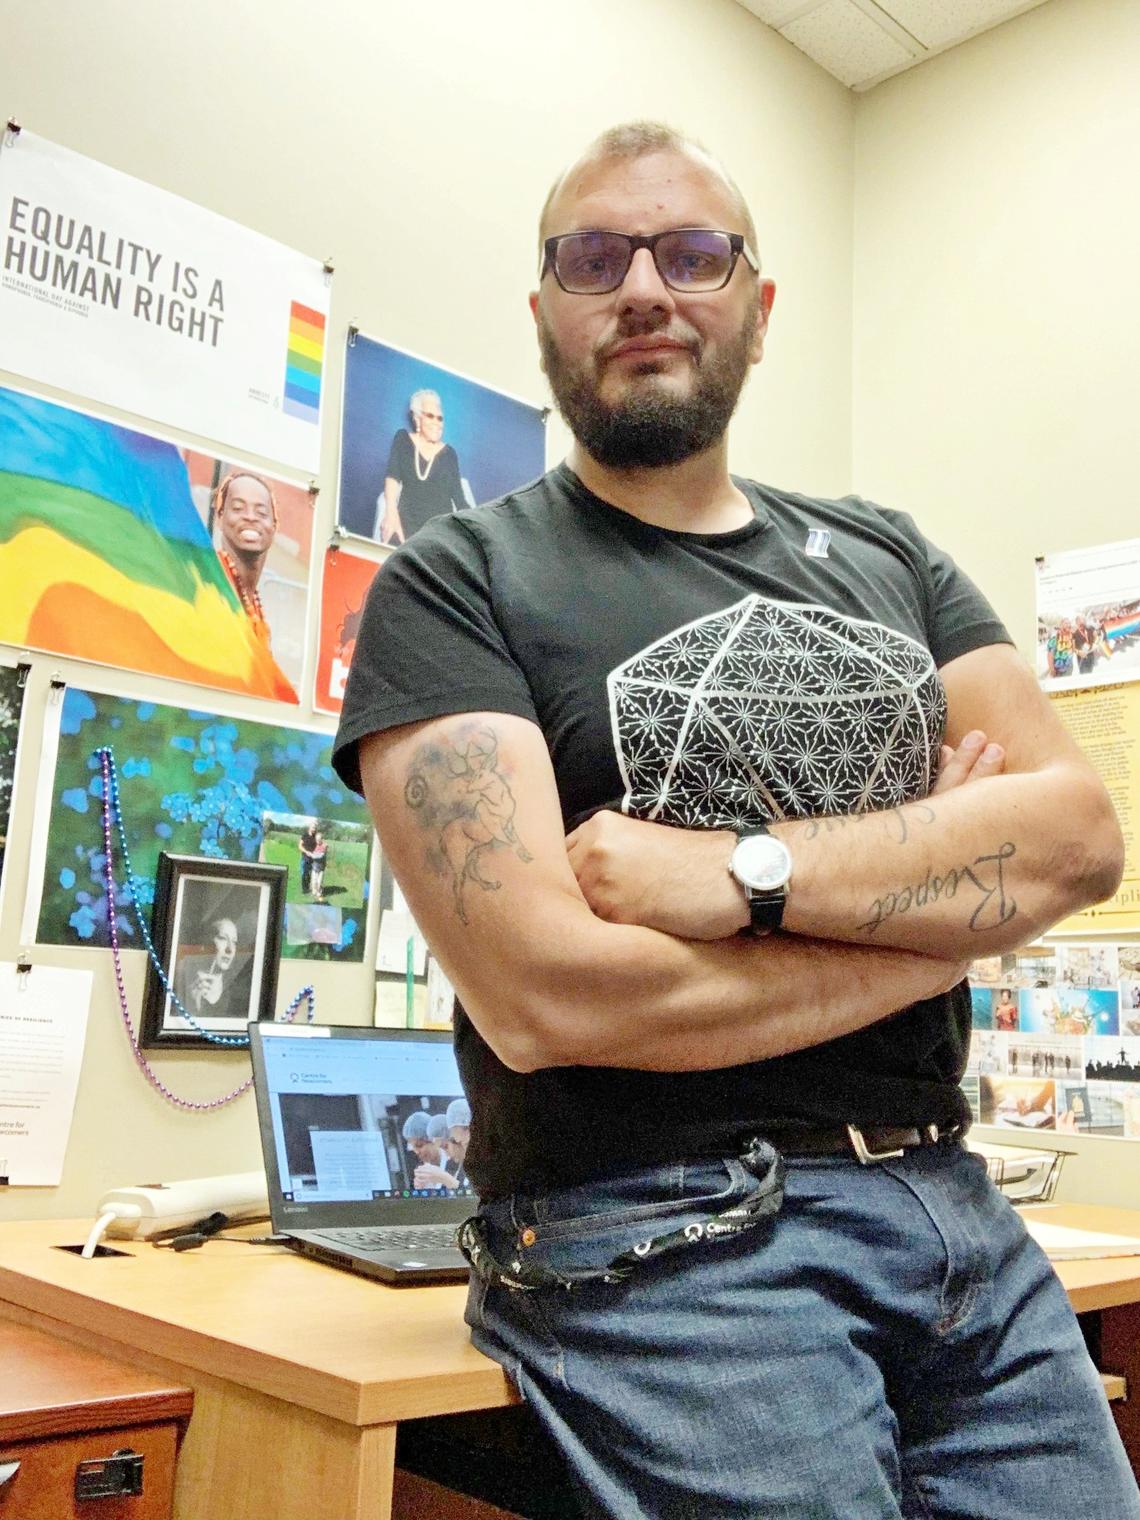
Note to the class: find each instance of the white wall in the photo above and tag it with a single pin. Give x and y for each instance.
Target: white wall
(395, 139)
(997, 320)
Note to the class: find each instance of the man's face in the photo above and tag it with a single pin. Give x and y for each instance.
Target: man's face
(225, 943)
(246, 518)
(648, 376)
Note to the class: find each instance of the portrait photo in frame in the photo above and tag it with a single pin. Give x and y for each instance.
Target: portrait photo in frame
(217, 934)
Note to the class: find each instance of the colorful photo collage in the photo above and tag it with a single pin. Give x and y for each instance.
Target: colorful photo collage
(201, 784)
(1055, 1043)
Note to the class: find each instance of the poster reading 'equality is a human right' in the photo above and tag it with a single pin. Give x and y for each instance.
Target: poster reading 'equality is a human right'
(131, 296)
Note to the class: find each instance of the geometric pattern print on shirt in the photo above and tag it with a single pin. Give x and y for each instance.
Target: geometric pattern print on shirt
(769, 710)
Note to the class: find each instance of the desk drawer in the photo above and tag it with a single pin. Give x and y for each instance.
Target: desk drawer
(44, 1486)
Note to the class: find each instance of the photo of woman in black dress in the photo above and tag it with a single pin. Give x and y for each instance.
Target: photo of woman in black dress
(422, 478)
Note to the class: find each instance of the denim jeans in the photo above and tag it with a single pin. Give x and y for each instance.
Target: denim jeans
(890, 1344)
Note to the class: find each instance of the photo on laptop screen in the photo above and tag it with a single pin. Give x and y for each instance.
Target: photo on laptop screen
(375, 1116)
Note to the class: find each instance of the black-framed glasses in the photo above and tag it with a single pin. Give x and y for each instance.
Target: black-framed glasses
(688, 259)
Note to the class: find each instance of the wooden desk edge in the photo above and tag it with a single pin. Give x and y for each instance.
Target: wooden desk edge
(119, 1331)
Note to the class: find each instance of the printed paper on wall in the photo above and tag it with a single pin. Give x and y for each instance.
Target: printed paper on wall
(419, 441)
(136, 298)
(1088, 616)
(124, 548)
(344, 588)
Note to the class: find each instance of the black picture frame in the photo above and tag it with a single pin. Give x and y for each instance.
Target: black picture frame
(216, 928)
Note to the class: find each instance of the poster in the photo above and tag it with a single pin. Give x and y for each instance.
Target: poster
(11, 705)
(418, 441)
(1088, 616)
(129, 550)
(344, 587)
(138, 299)
(1055, 1044)
(192, 783)
(43, 1029)
(1105, 722)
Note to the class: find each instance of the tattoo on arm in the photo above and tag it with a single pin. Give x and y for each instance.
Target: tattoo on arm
(463, 803)
(982, 882)
(897, 822)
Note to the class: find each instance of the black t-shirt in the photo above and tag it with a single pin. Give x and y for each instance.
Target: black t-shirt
(785, 669)
(423, 496)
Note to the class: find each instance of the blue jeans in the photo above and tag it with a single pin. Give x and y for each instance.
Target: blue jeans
(891, 1344)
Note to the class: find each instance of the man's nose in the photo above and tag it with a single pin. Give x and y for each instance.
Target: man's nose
(643, 288)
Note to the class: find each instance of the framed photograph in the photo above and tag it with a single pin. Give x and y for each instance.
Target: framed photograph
(217, 933)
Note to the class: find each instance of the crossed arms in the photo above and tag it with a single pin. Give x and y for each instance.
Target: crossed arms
(618, 947)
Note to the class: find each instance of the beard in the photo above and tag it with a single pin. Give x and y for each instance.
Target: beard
(650, 427)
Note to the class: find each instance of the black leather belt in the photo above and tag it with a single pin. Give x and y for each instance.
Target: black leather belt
(869, 1143)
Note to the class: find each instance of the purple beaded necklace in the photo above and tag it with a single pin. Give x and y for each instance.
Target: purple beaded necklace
(112, 814)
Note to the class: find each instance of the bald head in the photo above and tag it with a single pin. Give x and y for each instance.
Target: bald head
(641, 139)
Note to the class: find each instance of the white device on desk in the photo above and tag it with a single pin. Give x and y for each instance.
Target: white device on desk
(150, 1207)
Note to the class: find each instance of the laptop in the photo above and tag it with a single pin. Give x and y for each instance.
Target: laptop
(342, 1113)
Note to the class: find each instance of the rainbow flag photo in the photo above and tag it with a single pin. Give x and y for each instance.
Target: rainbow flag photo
(105, 555)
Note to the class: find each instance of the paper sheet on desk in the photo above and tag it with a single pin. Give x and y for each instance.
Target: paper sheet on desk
(43, 1026)
(1062, 1242)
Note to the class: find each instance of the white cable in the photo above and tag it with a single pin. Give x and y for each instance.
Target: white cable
(116, 1211)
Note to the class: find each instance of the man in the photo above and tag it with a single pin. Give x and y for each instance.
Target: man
(245, 512)
(307, 848)
(419, 1141)
(453, 1142)
(715, 707)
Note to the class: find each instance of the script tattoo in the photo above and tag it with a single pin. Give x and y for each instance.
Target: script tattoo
(897, 821)
(984, 877)
(463, 802)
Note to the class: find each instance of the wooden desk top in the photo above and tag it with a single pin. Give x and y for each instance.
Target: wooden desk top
(1100, 1284)
(263, 1317)
(355, 1350)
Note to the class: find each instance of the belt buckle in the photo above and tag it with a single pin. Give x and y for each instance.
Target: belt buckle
(864, 1152)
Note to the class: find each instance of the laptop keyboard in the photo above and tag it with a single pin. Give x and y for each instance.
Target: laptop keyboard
(412, 1237)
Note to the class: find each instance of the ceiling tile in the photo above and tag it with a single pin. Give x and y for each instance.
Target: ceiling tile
(846, 42)
(938, 22)
(774, 12)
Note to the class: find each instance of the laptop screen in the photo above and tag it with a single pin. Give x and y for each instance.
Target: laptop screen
(359, 1115)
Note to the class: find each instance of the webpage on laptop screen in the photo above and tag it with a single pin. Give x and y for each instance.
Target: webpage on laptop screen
(355, 1120)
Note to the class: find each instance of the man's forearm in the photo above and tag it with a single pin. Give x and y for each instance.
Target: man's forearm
(971, 872)
(619, 995)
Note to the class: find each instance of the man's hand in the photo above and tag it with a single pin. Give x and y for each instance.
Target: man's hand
(678, 881)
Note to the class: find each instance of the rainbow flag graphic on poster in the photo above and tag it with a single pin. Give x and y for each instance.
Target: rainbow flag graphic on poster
(105, 554)
(304, 361)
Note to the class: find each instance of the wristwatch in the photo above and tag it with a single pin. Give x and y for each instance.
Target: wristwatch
(762, 864)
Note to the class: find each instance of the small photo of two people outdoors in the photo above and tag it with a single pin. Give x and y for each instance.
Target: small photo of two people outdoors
(327, 858)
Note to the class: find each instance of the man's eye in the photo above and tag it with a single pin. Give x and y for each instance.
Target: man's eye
(693, 265)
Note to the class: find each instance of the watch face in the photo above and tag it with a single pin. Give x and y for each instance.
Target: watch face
(762, 863)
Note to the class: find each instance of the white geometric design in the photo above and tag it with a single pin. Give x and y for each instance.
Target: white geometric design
(771, 710)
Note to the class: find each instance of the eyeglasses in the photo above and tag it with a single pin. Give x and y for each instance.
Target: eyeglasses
(688, 259)
(432, 416)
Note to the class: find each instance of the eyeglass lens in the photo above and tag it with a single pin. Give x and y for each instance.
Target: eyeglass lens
(693, 258)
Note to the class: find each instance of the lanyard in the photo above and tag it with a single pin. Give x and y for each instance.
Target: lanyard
(765, 1200)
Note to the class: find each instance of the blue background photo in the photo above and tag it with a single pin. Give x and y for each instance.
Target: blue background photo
(500, 442)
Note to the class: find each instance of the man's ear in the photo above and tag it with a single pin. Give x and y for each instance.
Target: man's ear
(763, 311)
(532, 302)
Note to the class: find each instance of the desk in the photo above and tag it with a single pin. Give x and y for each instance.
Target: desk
(300, 1372)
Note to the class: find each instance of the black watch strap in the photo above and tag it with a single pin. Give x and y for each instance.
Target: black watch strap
(767, 911)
